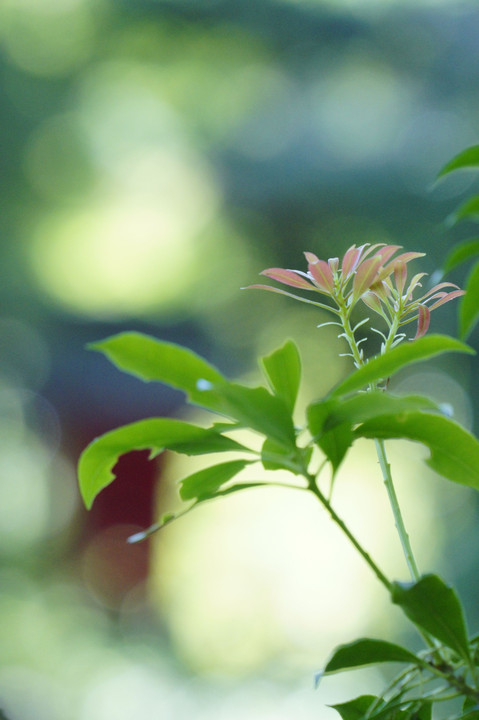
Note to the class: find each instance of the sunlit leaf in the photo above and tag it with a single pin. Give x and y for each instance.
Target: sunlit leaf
(156, 360)
(100, 456)
(434, 607)
(283, 370)
(466, 160)
(462, 252)
(469, 308)
(367, 651)
(454, 451)
(384, 366)
(205, 483)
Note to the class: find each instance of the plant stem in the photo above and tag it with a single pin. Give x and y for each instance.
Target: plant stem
(398, 519)
(335, 517)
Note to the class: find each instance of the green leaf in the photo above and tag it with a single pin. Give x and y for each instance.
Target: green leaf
(367, 651)
(283, 371)
(454, 451)
(275, 456)
(468, 209)
(325, 415)
(434, 606)
(386, 365)
(470, 709)
(336, 443)
(469, 308)
(331, 421)
(424, 712)
(356, 709)
(461, 253)
(254, 407)
(100, 456)
(466, 160)
(155, 360)
(204, 483)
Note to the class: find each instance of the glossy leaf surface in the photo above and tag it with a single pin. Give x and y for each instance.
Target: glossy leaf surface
(435, 607)
(454, 451)
(100, 456)
(283, 370)
(399, 357)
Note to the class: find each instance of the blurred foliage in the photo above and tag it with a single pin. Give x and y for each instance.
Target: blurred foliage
(157, 155)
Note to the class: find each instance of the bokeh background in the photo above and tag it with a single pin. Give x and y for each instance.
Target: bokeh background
(156, 156)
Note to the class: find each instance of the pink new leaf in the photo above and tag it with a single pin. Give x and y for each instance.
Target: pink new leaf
(351, 260)
(446, 298)
(322, 276)
(372, 300)
(400, 276)
(403, 258)
(288, 277)
(423, 319)
(439, 287)
(365, 276)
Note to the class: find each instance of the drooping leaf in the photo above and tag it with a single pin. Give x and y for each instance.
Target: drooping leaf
(100, 456)
(454, 451)
(255, 408)
(204, 483)
(434, 607)
(469, 308)
(384, 366)
(283, 370)
(156, 360)
(367, 651)
(356, 709)
(466, 160)
(462, 252)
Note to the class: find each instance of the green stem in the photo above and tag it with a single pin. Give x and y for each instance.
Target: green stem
(335, 517)
(398, 519)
